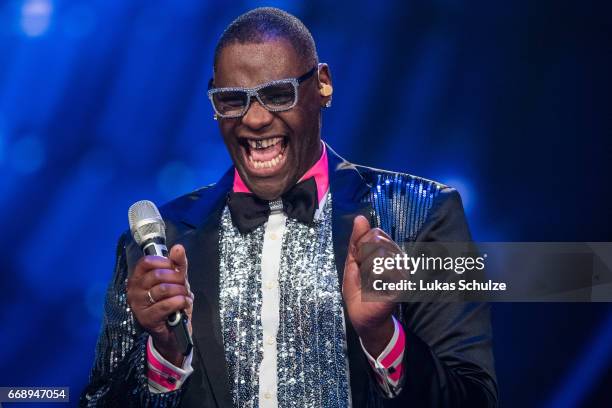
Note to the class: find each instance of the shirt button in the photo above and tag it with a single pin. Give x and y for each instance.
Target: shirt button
(270, 340)
(267, 395)
(269, 284)
(273, 236)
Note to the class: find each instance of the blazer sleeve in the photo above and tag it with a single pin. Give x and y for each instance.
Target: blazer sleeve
(118, 376)
(448, 359)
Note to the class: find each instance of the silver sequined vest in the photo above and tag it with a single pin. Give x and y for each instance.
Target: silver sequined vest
(311, 342)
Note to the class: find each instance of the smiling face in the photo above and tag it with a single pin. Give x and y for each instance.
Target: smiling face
(271, 150)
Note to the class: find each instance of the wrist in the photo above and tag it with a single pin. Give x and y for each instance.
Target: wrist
(375, 338)
(169, 351)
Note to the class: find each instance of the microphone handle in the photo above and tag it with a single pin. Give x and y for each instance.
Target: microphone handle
(177, 322)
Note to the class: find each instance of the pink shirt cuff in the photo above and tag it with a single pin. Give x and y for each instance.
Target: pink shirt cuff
(162, 375)
(388, 367)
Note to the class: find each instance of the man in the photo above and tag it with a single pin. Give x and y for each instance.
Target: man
(266, 264)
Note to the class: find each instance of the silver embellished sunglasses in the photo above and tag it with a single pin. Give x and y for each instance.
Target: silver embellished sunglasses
(276, 96)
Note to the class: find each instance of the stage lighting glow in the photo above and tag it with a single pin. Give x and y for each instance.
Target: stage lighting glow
(464, 189)
(36, 17)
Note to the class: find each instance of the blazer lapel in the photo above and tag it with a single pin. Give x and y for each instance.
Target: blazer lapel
(203, 256)
(348, 189)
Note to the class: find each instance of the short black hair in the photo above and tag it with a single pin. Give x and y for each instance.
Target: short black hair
(268, 23)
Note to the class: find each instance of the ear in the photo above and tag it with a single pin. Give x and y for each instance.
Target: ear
(325, 84)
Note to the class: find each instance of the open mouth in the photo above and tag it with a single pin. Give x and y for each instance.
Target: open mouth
(264, 156)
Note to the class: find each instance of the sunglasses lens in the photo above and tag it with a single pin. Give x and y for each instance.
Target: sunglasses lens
(278, 96)
(230, 102)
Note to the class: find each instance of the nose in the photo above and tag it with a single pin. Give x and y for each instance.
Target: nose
(257, 117)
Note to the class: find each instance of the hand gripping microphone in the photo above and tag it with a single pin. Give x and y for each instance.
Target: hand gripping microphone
(149, 232)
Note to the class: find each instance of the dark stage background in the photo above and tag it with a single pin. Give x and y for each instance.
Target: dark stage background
(103, 103)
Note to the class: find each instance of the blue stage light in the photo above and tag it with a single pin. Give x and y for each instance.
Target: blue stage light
(27, 154)
(79, 21)
(2, 144)
(175, 179)
(465, 190)
(94, 299)
(589, 368)
(36, 17)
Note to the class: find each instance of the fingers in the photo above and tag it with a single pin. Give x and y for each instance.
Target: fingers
(168, 290)
(159, 311)
(146, 263)
(158, 276)
(161, 277)
(378, 241)
(158, 288)
(376, 244)
(374, 235)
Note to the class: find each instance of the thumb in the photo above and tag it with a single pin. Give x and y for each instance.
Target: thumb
(351, 281)
(360, 227)
(179, 258)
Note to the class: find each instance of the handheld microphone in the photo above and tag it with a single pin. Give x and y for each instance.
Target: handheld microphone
(149, 232)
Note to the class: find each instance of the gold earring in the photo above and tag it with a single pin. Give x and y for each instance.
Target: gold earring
(326, 90)
(216, 117)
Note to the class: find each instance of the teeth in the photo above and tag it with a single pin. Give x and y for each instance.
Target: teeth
(264, 143)
(266, 164)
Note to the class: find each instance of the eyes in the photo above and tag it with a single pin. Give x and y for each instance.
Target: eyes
(276, 97)
(230, 99)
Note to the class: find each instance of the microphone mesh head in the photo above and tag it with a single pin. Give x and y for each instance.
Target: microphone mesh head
(146, 221)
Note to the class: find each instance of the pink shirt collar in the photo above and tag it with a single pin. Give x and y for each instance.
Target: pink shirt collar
(319, 171)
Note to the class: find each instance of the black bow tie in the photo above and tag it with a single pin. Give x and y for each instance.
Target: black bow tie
(249, 211)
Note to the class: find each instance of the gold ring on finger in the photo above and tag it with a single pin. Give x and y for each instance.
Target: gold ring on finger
(151, 300)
